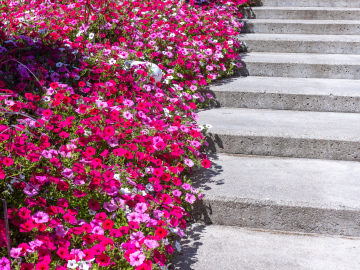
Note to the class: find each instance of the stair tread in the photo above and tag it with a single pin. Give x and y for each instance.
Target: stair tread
(280, 123)
(294, 182)
(299, 37)
(289, 21)
(288, 85)
(303, 58)
(227, 248)
(303, 8)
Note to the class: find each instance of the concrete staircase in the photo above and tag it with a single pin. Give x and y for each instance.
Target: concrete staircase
(284, 188)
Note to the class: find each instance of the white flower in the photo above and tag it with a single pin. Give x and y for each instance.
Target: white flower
(165, 241)
(177, 246)
(84, 265)
(59, 64)
(46, 98)
(149, 187)
(125, 190)
(92, 212)
(117, 177)
(91, 35)
(112, 61)
(72, 264)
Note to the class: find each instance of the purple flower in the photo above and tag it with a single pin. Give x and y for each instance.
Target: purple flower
(111, 206)
(113, 141)
(31, 191)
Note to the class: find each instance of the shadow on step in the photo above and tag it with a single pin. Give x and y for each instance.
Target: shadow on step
(200, 212)
(201, 181)
(190, 245)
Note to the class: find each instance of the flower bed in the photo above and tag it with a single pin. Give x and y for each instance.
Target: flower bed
(96, 149)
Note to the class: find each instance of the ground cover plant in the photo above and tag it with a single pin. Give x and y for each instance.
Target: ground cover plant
(96, 149)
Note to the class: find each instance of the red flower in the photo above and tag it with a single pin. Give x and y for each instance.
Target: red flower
(94, 205)
(206, 163)
(54, 85)
(160, 232)
(103, 260)
(81, 84)
(27, 266)
(63, 186)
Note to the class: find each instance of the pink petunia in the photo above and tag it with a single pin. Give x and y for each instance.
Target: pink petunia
(136, 258)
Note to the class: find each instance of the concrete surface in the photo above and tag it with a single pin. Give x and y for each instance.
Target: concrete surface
(311, 3)
(301, 65)
(303, 195)
(301, 43)
(323, 135)
(302, 13)
(229, 248)
(281, 93)
(313, 27)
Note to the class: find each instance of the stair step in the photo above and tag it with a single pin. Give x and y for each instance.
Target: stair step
(231, 248)
(311, 3)
(289, 194)
(301, 65)
(314, 27)
(302, 13)
(281, 93)
(324, 135)
(291, 43)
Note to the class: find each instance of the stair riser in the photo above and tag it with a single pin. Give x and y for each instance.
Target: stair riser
(302, 46)
(300, 28)
(272, 216)
(283, 146)
(299, 70)
(260, 13)
(276, 101)
(311, 3)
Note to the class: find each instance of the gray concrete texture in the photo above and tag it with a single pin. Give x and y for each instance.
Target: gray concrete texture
(323, 135)
(311, 3)
(332, 66)
(313, 27)
(229, 248)
(302, 13)
(281, 93)
(303, 195)
(300, 43)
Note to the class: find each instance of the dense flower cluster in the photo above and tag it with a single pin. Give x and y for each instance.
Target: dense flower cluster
(96, 143)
